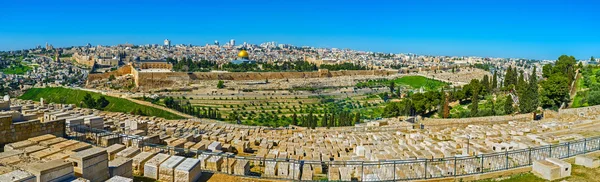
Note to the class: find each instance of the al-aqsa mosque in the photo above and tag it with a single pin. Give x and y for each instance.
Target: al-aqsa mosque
(243, 57)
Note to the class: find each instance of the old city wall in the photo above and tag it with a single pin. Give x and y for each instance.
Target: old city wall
(152, 80)
(127, 69)
(84, 60)
(13, 132)
(283, 75)
(477, 120)
(149, 80)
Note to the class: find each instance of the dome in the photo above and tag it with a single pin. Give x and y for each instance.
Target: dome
(243, 54)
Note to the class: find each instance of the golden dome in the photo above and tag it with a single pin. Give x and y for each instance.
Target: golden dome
(243, 54)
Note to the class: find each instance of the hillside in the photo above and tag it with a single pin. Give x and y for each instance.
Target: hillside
(72, 96)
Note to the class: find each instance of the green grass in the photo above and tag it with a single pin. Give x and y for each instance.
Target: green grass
(71, 96)
(577, 100)
(415, 82)
(579, 84)
(420, 81)
(16, 69)
(524, 177)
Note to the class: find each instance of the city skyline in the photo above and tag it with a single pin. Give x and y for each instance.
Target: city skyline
(462, 28)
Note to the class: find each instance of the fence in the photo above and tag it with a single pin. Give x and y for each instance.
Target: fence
(304, 170)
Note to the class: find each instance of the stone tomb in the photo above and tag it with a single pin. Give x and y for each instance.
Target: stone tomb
(167, 169)
(113, 150)
(18, 145)
(121, 167)
(41, 138)
(109, 140)
(565, 167)
(152, 166)
(91, 164)
(119, 179)
(241, 167)
(188, 171)
(551, 169)
(128, 152)
(18, 176)
(56, 170)
(587, 161)
(214, 163)
(141, 159)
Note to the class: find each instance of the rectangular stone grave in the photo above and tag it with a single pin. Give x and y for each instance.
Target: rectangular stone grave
(241, 167)
(56, 170)
(587, 161)
(113, 150)
(153, 165)
(18, 145)
(18, 176)
(78, 147)
(31, 149)
(40, 138)
(128, 152)
(334, 174)
(91, 164)
(546, 170)
(141, 159)
(110, 140)
(44, 153)
(121, 167)
(166, 171)
(214, 163)
(188, 171)
(214, 146)
(565, 167)
(48, 143)
(65, 144)
(307, 173)
(119, 179)
(271, 168)
(282, 169)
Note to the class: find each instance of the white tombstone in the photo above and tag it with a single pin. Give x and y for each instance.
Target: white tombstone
(587, 161)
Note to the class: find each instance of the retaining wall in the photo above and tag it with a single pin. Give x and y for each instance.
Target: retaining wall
(14, 132)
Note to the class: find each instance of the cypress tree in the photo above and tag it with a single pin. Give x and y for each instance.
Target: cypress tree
(508, 105)
(446, 107)
(475, 102)
(507, 76)
(485, 83)
(294, 119)
(533, 89)
(495, 80)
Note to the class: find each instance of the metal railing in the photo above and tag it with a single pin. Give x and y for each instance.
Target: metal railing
(384, 170)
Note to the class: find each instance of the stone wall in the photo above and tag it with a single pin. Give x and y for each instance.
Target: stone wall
(127, 69)
(583, 113)
(283, 75)
(14, 132)
(152, 80)
(477, 120)
(84, 60)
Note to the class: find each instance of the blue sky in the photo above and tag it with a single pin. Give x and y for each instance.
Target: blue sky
(495, 28)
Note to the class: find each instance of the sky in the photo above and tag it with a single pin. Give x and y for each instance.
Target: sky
(532, 29)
